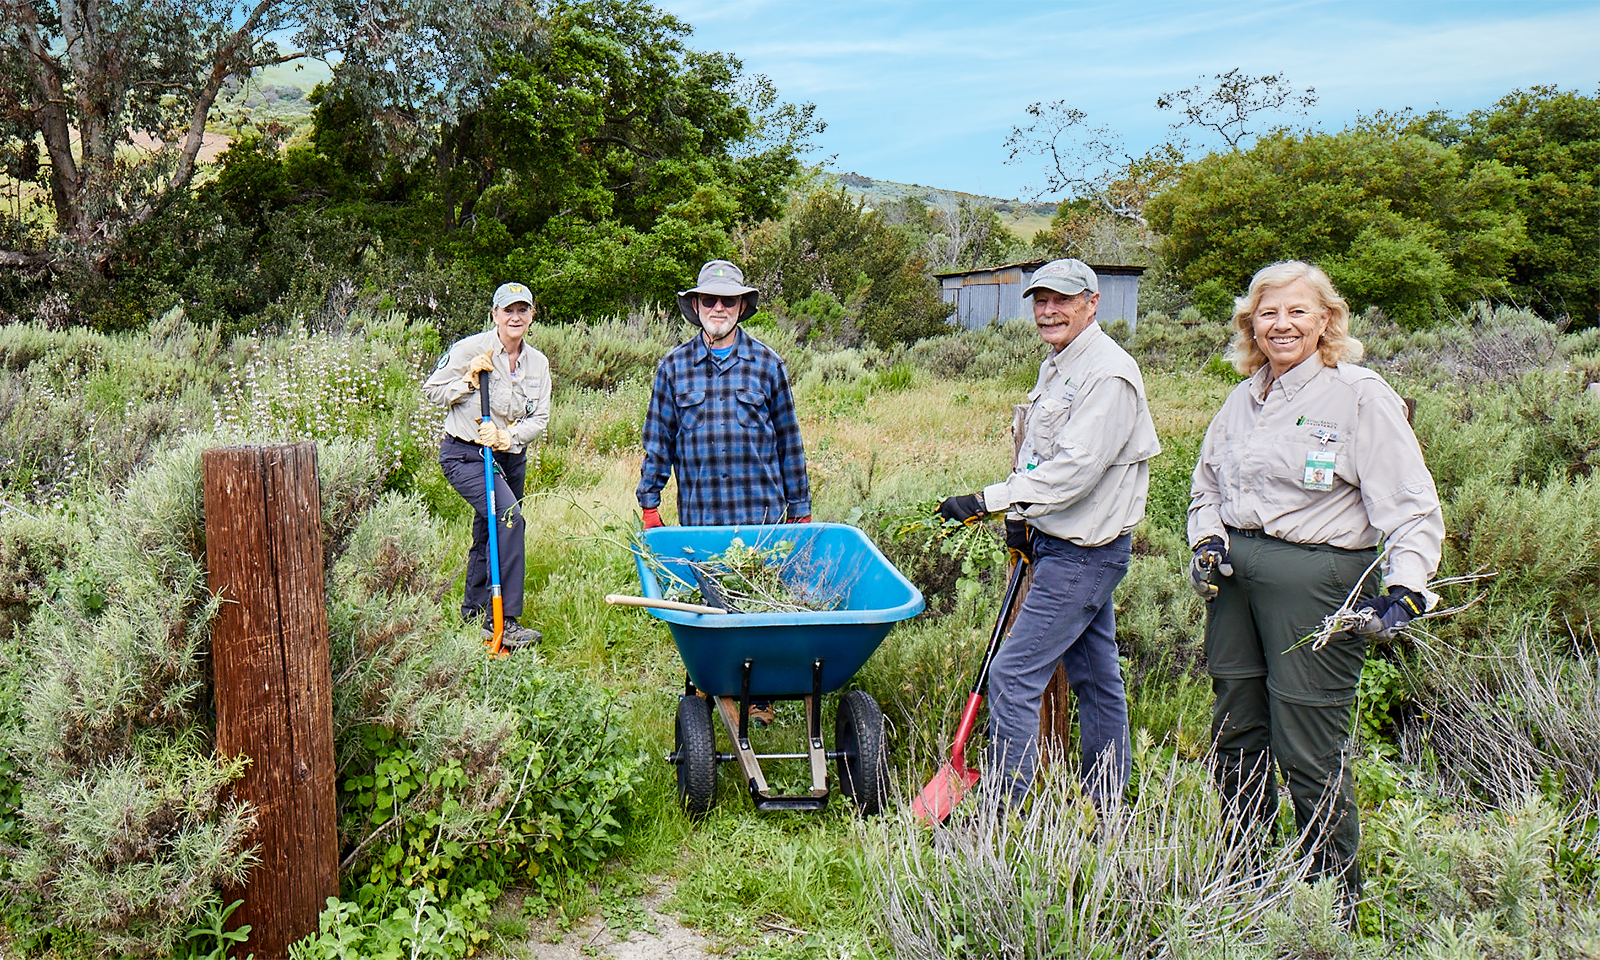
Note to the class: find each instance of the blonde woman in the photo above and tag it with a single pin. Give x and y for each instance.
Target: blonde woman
(1309, 465)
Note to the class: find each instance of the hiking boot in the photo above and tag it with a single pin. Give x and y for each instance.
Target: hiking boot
(515, 635)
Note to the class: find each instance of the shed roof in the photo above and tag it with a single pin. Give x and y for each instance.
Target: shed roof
(1108, 269)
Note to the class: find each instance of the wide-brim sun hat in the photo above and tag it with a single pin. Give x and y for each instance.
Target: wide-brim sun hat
(718, 278)
(1069, 277)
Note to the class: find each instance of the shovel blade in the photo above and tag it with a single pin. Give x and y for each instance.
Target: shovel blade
(939, 798)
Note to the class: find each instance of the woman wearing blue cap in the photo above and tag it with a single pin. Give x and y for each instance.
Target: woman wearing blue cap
(519, 407)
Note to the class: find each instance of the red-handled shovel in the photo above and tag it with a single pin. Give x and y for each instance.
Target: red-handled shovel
(955, 778)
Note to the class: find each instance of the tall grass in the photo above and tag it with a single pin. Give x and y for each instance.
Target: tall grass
(1159, 876)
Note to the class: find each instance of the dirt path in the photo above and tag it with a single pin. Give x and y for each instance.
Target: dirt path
(655, 935)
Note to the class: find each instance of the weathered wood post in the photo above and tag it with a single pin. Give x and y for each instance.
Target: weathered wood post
(274, 689)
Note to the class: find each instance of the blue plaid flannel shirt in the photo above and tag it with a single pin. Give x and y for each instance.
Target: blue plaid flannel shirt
(729, 432)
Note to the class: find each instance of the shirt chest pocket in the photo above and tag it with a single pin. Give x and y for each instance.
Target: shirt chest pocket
(1048, 425)
(1309, 464)
(751, 408)
(691, 408)
(525, 396)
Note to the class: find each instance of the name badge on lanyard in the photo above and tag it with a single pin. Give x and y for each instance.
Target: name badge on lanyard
(1320, 465)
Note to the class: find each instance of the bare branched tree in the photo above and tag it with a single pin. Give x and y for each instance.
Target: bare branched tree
(1232, 103)
(963, 237)
(1090, 162)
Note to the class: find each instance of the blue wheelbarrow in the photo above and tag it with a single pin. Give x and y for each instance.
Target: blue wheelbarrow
(736, 659)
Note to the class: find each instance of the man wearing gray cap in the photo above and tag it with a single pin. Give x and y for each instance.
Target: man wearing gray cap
(1075, 493)
(519, 409)
(721, 418)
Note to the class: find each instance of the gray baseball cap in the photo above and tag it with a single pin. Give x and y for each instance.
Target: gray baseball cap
(1068, 276)
(723, 279)
(510, 293)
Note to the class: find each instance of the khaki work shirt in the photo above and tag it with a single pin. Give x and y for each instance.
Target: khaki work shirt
(1082, 471)
(519, 403)
(1320, 455)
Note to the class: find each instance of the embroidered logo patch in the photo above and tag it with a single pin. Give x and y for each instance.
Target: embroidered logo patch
(1316, 423)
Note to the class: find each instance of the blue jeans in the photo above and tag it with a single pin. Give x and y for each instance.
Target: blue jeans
(1067, 618)
(462, 463)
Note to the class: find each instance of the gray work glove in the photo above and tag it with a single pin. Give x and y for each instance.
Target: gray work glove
(1209, 554)
(1389, 612)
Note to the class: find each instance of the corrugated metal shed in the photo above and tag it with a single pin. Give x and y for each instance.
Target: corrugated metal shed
(995, 293)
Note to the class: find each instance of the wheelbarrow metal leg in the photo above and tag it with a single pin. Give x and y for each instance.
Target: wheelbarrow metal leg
(734, 717)
(744, 704)
(819, 756)
(735, 713)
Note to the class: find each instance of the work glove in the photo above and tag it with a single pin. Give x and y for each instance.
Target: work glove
(1019, 538)
(493, 437)
(1209, 554)
(804, 519)
(652, 518)
(483, 361)
(1390, 612)
(967, 508)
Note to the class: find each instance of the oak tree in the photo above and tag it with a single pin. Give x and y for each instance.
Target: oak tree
(117, 93)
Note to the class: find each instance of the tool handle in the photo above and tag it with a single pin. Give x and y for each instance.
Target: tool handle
(627, 601)
(1013, 587)
(969, 719)
(483, 394)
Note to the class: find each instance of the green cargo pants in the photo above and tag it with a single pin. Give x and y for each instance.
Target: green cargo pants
(1279, 701)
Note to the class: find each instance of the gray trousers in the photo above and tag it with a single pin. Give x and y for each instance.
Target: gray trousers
(1280, 702)
(462, 463)
(1067, 618)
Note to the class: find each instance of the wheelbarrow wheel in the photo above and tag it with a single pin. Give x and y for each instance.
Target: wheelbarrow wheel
(863, 764)
(696, 749)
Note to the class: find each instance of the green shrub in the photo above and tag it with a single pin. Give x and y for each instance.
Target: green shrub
(1484, 883)
(1538, 540)
(1160, 621)
(599, 421)
(320, 385)
(86, 410)
(1187, 343)
(457, 773)
(602, 355)
(1396, 220)
(1010, 351)
(129, 832)
(1171, 476)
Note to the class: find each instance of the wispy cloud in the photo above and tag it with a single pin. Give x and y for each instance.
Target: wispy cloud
(925, 92)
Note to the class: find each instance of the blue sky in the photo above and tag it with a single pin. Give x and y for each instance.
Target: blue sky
(926, 92)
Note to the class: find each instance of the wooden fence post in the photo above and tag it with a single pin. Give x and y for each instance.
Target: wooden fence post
(274, 689)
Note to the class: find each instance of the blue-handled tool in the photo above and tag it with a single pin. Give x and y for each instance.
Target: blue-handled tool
(495, 644)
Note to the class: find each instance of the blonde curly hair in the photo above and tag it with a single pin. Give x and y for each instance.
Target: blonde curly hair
(1336, 343)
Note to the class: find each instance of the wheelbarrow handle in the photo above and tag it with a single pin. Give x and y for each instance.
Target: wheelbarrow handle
(628, 601)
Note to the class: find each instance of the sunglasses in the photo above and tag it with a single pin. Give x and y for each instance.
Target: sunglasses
(709, 301)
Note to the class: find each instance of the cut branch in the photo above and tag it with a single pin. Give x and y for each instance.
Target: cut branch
(16, 258)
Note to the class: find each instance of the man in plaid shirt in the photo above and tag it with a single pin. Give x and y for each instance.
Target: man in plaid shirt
(722, 418)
